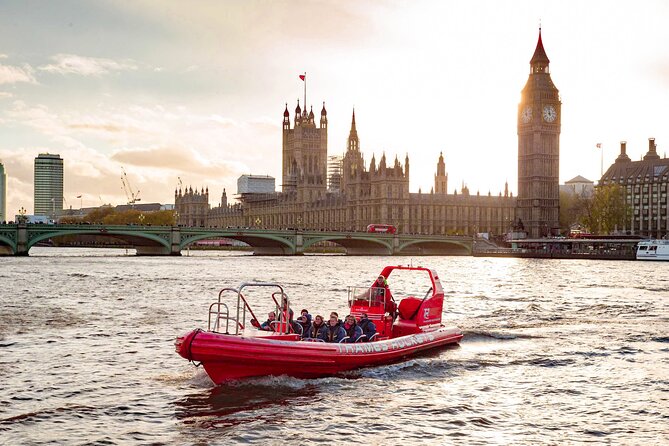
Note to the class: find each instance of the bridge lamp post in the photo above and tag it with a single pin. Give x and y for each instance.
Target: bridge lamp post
(22, 215)
(258, 221)
(141, 219)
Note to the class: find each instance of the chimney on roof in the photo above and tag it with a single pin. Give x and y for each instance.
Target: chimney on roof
(652, 152)
(623, 153)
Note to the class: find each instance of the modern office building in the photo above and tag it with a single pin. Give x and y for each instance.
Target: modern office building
(255, 184)
(48, 185)
(3, 194)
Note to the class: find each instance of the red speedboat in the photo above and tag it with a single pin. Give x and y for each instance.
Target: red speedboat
(234, 347)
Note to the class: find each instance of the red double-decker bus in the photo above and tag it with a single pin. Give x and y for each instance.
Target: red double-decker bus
(389, 229)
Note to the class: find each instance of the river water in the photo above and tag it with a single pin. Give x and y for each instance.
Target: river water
(555, 352)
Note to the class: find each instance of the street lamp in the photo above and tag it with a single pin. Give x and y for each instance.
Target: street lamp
(22, 215)
(141, 219)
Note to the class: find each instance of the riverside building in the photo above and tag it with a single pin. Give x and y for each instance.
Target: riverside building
(645, 185)
(356, 193)
(48, 185)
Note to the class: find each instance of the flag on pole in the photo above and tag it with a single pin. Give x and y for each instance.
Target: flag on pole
(599, 145)
(303, 76)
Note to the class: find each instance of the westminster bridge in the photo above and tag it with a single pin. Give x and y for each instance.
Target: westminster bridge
(17, 239)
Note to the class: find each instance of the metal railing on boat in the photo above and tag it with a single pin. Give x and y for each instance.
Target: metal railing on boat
(219, 311)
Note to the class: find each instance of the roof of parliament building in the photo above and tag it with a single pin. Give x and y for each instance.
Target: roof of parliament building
(650, 168)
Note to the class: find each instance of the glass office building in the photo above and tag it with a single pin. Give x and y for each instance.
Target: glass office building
(48, 185)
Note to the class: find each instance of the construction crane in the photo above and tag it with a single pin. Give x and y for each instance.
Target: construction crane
(129, 193)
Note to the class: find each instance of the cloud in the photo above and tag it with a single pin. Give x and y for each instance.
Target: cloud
(86, 66)
(5, 94)
(10, 74)
(179, 159)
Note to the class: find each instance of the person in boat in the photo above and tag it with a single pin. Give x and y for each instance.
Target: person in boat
(306, 327)
(267, 325)
(368, 327)
(332, 332)
(353, 330)
(317, 326)
(305, 313)
(379, 290)
(381, 294)
(336, 316)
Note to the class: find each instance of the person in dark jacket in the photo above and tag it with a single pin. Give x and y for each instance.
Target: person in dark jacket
(332, 332)
(306, 314)
(306, 327)
(317, 326)
(336, 315)
(368, 327)
(267, 325)
(353, 331)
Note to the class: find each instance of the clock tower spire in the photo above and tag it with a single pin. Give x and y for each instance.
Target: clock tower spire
(539, 117)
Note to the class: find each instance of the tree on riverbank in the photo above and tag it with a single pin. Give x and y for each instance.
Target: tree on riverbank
(608, 211)
(108, 216)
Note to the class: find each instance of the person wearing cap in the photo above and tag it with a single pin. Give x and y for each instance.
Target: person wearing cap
(306, 327)
(305, 313)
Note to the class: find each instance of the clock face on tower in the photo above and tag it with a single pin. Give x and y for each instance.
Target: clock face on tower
(526, 115)
(549, 114)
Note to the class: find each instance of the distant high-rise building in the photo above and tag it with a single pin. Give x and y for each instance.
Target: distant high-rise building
(3, 194)
(48, 184)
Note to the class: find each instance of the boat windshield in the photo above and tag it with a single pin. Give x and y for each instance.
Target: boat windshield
(368, 296)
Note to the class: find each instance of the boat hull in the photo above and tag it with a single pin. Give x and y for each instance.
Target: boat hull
(229, 357)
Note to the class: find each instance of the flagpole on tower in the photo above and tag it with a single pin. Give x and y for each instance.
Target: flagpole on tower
(305, 91)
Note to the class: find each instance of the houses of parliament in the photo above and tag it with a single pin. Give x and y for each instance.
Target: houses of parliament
(348, 194)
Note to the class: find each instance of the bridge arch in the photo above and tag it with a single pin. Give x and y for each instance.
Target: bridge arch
(354, 245)
(261, 243)
(7, 244)
(144, 242)
(435, 247)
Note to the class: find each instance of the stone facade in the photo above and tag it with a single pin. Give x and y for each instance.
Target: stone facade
(645, 185)
(539, 118)
(378, 193)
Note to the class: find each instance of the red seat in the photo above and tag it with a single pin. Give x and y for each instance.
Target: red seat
(409, 307)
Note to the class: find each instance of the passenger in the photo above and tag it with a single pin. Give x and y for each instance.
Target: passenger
(368, 327)
(268, 325)
(306, 327)
(353, 331)
(305, 312)
(332, 332)
(317, 326)
(336, 315)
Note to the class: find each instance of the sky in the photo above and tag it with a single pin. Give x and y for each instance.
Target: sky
(195, 91)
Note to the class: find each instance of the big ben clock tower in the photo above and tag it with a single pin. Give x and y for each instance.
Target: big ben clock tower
(539, 117)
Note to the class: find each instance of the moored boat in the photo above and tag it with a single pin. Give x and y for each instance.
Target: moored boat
(653, 250)
(234, 347)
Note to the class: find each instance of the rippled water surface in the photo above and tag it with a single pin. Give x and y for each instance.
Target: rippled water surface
(555, 352)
